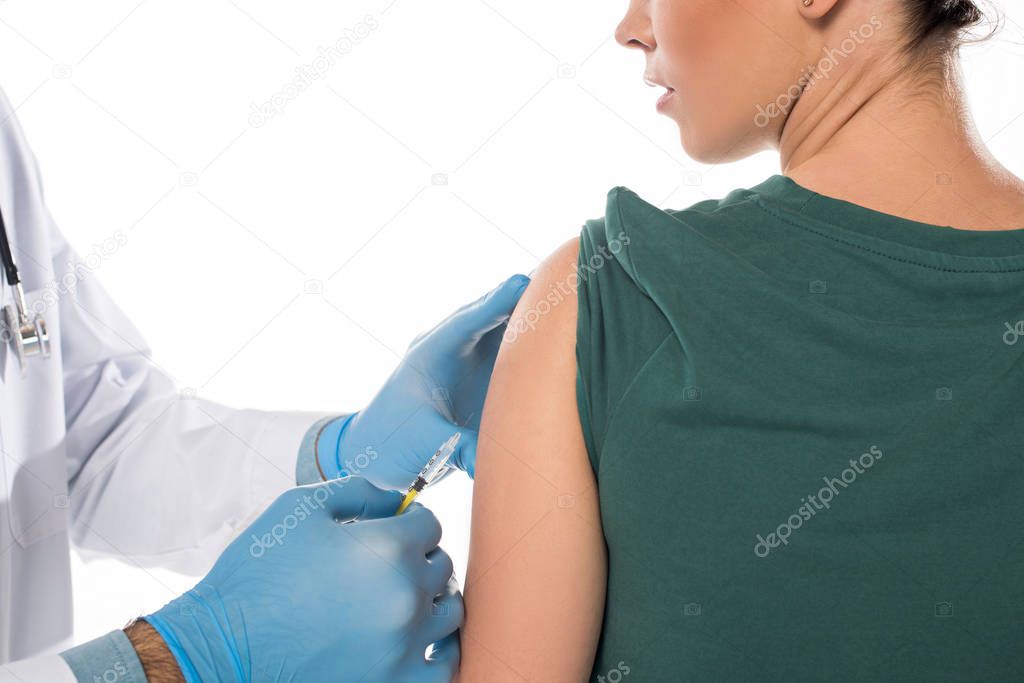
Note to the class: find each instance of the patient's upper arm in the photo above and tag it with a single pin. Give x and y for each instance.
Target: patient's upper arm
(536, 577)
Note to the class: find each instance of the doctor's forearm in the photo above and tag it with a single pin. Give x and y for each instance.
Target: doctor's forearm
(156, 658)
(135, 655)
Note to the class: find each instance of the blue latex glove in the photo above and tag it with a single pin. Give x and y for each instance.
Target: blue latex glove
(437, 389)
(326, 585)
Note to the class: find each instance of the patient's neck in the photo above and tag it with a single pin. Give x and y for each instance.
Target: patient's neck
(899, 142)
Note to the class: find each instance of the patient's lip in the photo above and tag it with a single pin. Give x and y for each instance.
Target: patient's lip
(652, 81)
(664, 99)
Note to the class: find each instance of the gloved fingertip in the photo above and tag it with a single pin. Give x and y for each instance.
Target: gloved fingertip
(516, 285)
(507, 293)
(519, 281)
(475, 320)
(446, 650)
(467, 452)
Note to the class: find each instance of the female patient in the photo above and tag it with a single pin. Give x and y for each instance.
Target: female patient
(777, 435)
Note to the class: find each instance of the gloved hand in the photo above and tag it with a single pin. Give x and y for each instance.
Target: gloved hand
(326, 585)
(437, 389)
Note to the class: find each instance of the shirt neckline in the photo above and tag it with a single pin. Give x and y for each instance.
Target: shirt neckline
(784, 192)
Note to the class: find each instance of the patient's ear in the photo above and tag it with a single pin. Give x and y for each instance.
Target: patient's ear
(815, 9)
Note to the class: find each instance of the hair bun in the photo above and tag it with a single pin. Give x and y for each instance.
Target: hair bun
(959, 13)
(946, 19)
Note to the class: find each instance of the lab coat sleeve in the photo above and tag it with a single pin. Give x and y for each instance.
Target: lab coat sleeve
(157, 476)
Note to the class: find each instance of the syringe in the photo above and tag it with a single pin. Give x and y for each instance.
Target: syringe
(436, 466)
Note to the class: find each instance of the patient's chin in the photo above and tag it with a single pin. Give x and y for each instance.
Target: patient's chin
(712, 145)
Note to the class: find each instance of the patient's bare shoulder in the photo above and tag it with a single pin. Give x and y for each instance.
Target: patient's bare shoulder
(545, 320)
(536, 575)
(534, 380)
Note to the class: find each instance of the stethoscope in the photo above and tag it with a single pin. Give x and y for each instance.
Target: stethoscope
(26, 334)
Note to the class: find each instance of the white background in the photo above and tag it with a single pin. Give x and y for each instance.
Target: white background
(139, 114)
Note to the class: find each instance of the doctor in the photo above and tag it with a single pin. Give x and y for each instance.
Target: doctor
(100, 450)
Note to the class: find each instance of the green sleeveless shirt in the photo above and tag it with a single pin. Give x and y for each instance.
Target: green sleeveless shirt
(806, 420)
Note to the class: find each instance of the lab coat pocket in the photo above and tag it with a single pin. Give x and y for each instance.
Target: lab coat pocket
(32, 451)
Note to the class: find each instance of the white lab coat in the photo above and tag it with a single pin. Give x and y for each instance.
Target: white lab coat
(97, 447)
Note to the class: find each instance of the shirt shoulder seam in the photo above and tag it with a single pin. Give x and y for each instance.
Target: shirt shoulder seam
(785, 219)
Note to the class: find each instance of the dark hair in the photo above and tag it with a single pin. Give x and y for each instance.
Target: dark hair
(941, 23)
